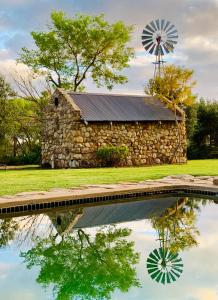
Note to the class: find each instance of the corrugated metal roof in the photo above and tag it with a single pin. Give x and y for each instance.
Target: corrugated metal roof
(124, 212)
(109, 107)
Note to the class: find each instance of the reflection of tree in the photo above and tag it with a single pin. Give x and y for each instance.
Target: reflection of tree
(176, 227)
(82, 266)
(8, 228)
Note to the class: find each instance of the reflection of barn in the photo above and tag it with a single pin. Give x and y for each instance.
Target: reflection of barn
(65, 221)
(110, 214)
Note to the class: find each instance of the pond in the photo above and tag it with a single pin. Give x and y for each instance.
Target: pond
(163, 248)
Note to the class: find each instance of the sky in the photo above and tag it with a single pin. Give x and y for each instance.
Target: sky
(195, 20)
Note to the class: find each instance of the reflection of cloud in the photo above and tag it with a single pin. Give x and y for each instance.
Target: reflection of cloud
(205, 294)
(19, 283)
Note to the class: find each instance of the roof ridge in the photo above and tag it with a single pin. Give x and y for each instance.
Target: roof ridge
(108, 94)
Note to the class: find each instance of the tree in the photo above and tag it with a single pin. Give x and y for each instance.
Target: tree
(176, 227)
(175, 85)
(6, 115)
(6, 93)
(204, 140)
(81, 266)
(21, 119)
(75, 48)
(8, 229)
(174, 88)
(191, 120)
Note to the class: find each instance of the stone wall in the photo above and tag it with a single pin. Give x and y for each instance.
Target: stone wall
(68, 142)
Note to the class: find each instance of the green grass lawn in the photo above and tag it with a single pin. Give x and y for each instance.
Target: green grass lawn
(22, 180)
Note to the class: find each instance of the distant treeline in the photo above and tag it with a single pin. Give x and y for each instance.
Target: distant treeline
(202, 129)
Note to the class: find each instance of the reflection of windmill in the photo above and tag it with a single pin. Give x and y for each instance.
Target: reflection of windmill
(159, 38)
(163, 265)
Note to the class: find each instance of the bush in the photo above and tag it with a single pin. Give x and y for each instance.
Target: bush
(110, 156)
(29, 158)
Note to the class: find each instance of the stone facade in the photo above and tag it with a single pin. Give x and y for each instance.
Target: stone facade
(70, 143)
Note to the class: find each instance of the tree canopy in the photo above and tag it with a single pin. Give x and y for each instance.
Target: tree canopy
(82, 266)
(74, 48)
(175, 85)
(204, 132)
(6, 114)
(176, 227)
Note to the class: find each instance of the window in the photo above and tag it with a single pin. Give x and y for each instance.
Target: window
(56, 101)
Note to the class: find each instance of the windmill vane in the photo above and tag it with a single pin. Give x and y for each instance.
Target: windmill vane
(159, 38)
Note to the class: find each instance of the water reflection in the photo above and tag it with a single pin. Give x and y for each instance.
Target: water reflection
(8, 228)
(83, 265)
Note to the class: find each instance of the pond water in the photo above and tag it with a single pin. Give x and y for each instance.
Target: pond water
(149, 249)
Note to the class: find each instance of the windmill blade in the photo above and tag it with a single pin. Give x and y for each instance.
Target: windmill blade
(172, 37)
(170, 41)
(173, 32)
(170, 28)
(149, 260)
(148, 46)
(151, 51)
(153, 25)
(144, 42)
(157, 24)
(159, 50)
(158, 278)
(165, 48)
(167, 24)
(147, 32)
(169, 46)
(163, 278)
(144, 36)
(162, 24)
(148, 27)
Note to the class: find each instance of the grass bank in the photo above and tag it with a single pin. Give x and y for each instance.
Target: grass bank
(22, 180)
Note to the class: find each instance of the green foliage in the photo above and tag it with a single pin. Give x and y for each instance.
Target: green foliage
(74, 48)
(110, 156)
(175, 85)
(8, 228)
(22, 131)
(191, 120)
(81, 266)
(29, 157)
(204, 139)
(176, 227)
(6, 114)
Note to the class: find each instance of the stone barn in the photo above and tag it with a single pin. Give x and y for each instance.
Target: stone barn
(77, 124)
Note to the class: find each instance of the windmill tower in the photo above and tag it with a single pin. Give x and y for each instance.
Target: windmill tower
(159, 38)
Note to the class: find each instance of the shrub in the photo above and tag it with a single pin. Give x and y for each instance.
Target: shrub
(110, 156)
(29, 158)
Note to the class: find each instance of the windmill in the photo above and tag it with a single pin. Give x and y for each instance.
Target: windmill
(164, 266)
(159, 38)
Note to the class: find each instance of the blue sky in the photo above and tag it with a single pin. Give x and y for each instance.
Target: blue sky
(196, 21)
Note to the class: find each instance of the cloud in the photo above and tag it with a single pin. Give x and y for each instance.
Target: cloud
(196, 21)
